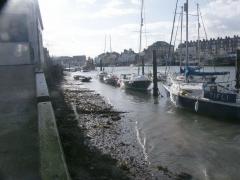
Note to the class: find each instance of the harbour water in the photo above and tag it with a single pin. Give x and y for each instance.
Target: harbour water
(182, 141)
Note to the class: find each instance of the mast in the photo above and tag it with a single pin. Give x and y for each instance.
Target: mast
(140, 37)
(198, 41)
(105, 44)
(141, 28)
(170, 44)
(110, 39)
(101, 60)
(181, 36)
(200, 17)
(187, 51)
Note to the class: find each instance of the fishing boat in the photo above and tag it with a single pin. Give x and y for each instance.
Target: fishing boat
(138, 82)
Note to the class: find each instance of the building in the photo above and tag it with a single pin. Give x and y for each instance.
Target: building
(127, 57)
(220, 51)
(162, 51)
(21, 33)
(89, 65)
(27, 123)
(108, 59)
(79, 60)
(67, 61)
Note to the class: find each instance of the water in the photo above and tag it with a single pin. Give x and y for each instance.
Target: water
(182, 141)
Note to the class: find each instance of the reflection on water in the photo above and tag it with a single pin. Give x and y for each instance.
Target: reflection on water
(182, 141)
(138, 97)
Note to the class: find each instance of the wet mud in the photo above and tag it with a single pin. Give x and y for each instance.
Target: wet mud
(100, 142)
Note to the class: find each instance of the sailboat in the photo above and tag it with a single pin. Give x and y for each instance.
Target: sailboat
(204, 96)
(137, 81)
(102, 73)
(109, 78)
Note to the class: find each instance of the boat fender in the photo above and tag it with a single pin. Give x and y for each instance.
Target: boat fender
(196, 105)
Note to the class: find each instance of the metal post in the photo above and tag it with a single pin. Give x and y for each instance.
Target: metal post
(101, 66)
(143, 65)
(238, 70)
(138, 70)
(155, 81)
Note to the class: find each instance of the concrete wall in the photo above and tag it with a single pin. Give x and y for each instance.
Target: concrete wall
(33, 23)
(19, 57)
(18, 123)
(52, 160)
(14, 54)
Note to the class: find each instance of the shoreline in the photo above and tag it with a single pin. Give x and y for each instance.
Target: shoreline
(96, 139)
(100, 142)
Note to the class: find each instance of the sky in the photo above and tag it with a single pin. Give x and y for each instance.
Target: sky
(79, 27)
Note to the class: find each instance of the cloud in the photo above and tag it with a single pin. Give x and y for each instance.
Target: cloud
(86, 1)
(135, 2)
(222, 17)
(70, 31)
(114, 8)
(80, 27)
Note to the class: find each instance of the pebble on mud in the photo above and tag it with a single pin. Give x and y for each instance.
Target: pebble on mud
(106, 131)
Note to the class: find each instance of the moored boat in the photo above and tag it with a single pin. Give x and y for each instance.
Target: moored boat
(162, 77)
(82, 78)
(111, 79)
(212, 99)
(136, 82)
(101, 75)
(198, 91)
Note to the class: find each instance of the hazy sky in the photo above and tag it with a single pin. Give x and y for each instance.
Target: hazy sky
(75, 27)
